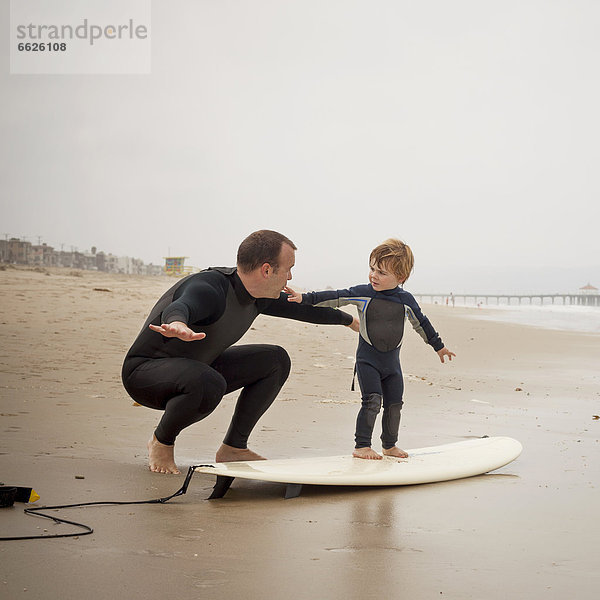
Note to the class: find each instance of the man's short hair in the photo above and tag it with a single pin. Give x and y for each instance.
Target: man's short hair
(261, 247)
(395, 256)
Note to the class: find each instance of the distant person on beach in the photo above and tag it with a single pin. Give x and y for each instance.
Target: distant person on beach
(183, 361)
(382, 306)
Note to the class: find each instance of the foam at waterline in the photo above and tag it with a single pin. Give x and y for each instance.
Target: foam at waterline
(584, 319)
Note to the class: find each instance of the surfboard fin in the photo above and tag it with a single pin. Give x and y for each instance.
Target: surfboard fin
(221, 486)
(292, 490)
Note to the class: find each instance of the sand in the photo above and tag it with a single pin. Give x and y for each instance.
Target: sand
(529, 530)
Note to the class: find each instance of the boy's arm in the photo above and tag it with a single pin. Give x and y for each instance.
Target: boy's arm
(422, 325)
(357, 295)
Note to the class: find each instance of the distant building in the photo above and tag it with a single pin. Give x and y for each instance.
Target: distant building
(589, 289)
(153, 270)
(111, 263)
(64, 258)
(100, 260)
(124, 265)
(43, 255)
(22, 252)
(89, 261)
(18, 252)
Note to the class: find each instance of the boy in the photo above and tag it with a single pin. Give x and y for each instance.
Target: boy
(383, 306)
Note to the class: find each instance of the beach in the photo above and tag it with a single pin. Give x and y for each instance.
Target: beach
(69, 430)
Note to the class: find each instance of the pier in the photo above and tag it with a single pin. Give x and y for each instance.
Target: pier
(562, 299)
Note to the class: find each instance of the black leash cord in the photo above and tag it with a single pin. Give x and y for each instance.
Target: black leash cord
(86, 530)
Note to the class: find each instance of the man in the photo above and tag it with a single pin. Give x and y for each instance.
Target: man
(183, 361)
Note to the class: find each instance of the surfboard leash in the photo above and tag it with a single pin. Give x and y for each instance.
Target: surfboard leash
(85, 529)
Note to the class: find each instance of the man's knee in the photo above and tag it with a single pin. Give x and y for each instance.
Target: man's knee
(208, 387)
(282, 362)
(215, 386)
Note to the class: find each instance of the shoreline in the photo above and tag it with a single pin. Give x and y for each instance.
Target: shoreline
(580, 319)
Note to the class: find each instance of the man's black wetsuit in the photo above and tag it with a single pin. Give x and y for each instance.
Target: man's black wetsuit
(382, 315)
(188, 379)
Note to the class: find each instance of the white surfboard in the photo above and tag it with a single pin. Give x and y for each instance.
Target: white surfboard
(424, 465)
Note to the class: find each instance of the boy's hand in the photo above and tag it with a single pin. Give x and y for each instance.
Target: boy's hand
(445, 352)
(292, 295)
(178, 330)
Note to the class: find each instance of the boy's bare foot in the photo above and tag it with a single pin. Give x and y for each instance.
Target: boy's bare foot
(230, 454)
(395, 451)
(161, 458)
(368, 453)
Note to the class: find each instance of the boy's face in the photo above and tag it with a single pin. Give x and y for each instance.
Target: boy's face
(381, 279)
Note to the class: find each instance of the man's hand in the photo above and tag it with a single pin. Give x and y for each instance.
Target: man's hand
(355, 325)
(445, 352)
(292, 295)
(179, 330)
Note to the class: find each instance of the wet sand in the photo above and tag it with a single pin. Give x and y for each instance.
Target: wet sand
(68, 429)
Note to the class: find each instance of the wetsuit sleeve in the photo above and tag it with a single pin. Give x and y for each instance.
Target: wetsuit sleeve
(282, 307)
(198, 301)
(421, 323)
(335, 298)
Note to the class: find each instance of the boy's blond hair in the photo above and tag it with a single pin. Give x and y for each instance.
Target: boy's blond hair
(395, 256)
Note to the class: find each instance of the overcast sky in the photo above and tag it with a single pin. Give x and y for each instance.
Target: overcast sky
(469, 129)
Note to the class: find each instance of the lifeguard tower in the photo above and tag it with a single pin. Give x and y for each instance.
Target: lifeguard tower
(174, 265)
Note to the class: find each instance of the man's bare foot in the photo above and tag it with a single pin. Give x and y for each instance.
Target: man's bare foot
(395, 452)
(161, 458)
(230, 454)
(368, 453)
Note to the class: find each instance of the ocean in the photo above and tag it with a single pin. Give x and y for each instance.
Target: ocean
(549, 316)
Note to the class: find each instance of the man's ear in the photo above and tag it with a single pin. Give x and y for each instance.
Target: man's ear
(265, 270)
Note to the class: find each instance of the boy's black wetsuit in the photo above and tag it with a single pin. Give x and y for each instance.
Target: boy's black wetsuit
(382, 316)
(188, 379)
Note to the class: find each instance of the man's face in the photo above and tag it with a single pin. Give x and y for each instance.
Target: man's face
(278, 277)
